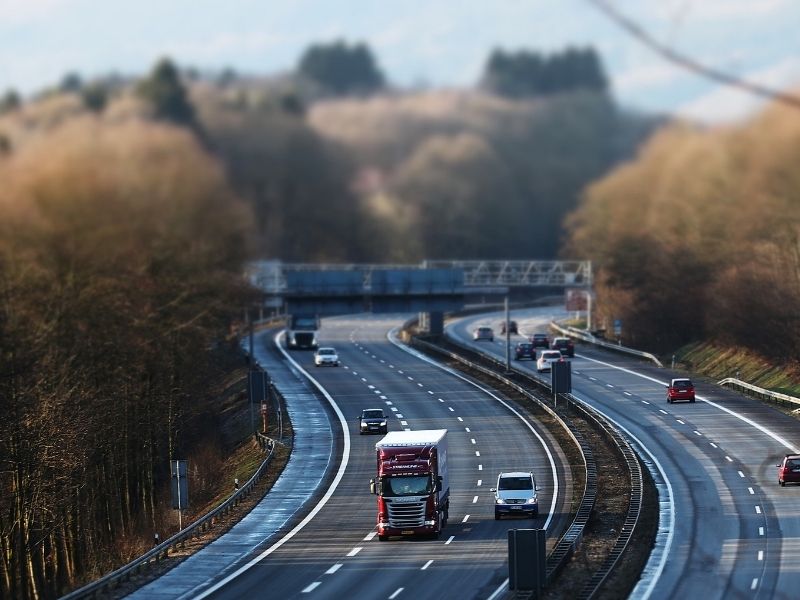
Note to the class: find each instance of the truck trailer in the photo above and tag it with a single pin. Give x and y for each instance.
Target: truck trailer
(413, 485)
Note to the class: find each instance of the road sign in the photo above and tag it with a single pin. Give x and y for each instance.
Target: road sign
(617, 327)
(561, 377)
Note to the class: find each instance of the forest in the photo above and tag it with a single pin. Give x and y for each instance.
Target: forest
(699, 237)
(130, 206)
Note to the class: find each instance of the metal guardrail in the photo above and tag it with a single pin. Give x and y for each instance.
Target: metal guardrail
(759, 392)
(569, 541)
(584, 335)
(203, 524)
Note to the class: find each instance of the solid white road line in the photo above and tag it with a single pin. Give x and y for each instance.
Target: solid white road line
(322, 502)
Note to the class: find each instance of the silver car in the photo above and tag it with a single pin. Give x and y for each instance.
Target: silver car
(326, 356)
(515, 494)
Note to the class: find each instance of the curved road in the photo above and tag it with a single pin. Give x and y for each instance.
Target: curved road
(736, 532)
(337, 554)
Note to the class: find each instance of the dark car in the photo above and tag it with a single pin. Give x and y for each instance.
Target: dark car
(512, 327)
(565, 345)
(680, 389)
(483, 333)
(540, 340)
(789, 469)
(524, 350)
(372, 420)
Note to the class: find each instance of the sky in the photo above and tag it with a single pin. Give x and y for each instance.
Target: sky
(418, 43)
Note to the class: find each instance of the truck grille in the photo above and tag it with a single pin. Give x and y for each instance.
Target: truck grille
(406, 514)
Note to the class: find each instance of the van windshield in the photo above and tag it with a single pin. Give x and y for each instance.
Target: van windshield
(515, 483)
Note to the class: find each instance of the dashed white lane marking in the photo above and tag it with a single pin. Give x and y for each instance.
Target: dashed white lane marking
(373, 356)
(429, 391)
(751, 490)
(480, 482)
(426, 565)
(396, 593)
(420, 385)
(760, 555)
(345, 366)
(577, 372)
(466, 429)
(465, 519)
(376, 392)
(388, 403)
(593, 378)
(760, 531)
(474, 499)
(741, 474)
(407, 429)
(410, 378)
(758, 509)
(312, 587)
(383, 397)
(440, 400)
(355, 551)
(608, 385)
(399, 371)
(681, 422)
(713, 445)
(460, 419)
(394, 409)
(333, 569)
(729, 459)
(403, 422)
(754, 584)
(473, 441)
(355, 372)
(383, 362)
(450, 539)
(627, 393)
(645, 402)
(697, 432)
(372, 387)
(399, 416)
(451, 409)
(391, 366)
(369, 536)
(480, 467)
(364, 379)
(661, 410)
(477, 453)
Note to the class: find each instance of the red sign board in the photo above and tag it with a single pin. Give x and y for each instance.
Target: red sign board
(575, 299)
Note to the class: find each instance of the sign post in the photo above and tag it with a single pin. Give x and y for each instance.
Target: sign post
(180, 488)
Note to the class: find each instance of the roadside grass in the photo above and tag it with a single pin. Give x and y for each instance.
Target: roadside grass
(718, 361)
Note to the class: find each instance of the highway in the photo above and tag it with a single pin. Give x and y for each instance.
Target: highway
(736, 533)
(337, 555)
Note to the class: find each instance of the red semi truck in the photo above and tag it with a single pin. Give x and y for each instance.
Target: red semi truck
(413, 486)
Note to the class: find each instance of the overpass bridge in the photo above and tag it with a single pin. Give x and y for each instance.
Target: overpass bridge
(430, 286)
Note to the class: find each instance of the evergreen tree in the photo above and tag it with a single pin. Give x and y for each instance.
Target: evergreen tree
(342, 69)
(164, 90)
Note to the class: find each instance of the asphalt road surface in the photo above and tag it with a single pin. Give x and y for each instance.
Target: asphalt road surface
(734, 532)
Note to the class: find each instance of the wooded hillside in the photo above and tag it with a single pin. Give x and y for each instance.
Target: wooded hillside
(700, 237)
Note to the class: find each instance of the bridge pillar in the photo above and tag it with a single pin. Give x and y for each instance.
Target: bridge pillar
(432, 322)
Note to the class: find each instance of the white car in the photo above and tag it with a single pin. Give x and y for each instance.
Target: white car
(326, 356)
(547, 358)
(483, 333)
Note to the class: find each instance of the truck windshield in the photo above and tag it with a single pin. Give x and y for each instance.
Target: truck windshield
(304, 323)
(413, 485)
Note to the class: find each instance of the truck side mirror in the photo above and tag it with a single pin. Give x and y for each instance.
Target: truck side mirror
(372, 486)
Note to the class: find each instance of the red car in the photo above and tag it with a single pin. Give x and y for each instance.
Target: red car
(680, 389)
(540, 340)
(789, 469)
